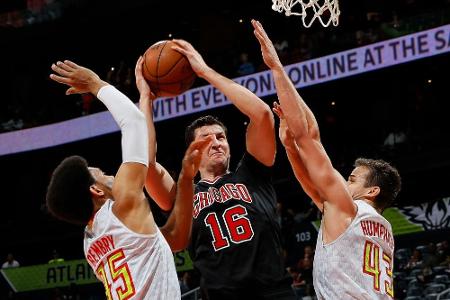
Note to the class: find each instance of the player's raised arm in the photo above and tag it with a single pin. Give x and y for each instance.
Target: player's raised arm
(159, 183)
(292, 152)
(261, 129)
(329, 184)
(127, 189)
(177, 229)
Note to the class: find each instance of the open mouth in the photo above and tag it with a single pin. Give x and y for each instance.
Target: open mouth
(217, 153)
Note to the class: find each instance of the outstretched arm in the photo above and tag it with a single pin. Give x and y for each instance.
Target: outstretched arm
(261, 129)
(159, 183)
(129, 200)
(292, 152)
(177, 229)
(329, 184)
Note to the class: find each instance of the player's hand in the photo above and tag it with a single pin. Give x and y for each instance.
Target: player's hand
(195, 59)
(193, 156)
(269, 53)
(80, 79)
(146, 95)
(286, 136)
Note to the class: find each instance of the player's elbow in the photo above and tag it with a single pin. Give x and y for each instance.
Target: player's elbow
(264, 114)
(177, 241)
(259, 112)
(166, 205)
(179, 245)
(314, 133)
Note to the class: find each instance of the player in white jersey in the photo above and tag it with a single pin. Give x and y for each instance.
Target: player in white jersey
(355, 246)
(123, 245)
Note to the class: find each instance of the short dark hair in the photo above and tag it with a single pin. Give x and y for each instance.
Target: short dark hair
(189, 134)
(68, 197)
(383, 175)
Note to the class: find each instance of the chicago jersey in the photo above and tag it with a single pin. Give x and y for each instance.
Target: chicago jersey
(130, 265)
(236, 239)
(359, 263)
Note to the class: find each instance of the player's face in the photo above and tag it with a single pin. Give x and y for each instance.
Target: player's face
(101, 178)
(219, 151)
(356, 183)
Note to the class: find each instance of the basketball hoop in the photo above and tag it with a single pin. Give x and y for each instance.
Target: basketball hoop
(327, 11)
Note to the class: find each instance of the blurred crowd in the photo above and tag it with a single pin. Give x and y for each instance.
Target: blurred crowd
(377, 24)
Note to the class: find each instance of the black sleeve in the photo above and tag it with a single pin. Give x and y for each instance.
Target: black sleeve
(253, 166)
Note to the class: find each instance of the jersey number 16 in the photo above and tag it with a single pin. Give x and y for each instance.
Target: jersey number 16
(238, 226)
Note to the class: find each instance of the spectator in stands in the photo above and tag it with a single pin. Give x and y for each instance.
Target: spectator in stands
(282, 47)
(184, 282)
(10, 295)
(298, 284)
(443, 251)
(415, 260)
(425, 276)
(309, 252)
(246, 67)
(10, 262)
(305, 266)
(307, 215)
(446, 263)
(187, 284)
(302, 49)
(55, 258)
(306, 47)
(296, 279)
(361, 38)
(394, 139)
(432, 258)
(124, 79)
(296, 216)
(280, 213)
(301, 274)
(15, 122)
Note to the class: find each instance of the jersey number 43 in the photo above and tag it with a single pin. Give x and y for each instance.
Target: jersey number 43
(372, 264)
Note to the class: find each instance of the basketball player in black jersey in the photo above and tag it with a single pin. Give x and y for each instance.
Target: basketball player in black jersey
(235, 239)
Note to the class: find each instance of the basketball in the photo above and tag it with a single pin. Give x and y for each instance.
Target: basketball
(167, 71)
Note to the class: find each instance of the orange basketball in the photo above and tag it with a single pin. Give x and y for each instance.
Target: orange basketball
(167, 71)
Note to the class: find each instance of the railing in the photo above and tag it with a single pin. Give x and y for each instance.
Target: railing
(443, 293)
(192, 294)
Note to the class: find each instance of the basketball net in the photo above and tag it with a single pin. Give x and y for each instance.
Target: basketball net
(327, 12)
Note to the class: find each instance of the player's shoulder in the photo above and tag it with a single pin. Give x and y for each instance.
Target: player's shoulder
(367, 211)
(365, 208)
(249, 164)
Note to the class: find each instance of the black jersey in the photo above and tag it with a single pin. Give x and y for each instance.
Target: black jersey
(236, 240)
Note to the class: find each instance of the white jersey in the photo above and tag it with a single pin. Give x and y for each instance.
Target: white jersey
(130, 265)
(358, 264)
